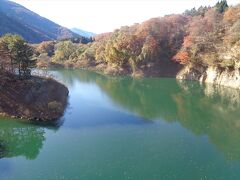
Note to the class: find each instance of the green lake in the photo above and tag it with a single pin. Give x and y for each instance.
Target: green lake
(119, 128)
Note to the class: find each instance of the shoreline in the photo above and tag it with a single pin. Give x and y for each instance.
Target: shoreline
(36, 98)
(213, 75)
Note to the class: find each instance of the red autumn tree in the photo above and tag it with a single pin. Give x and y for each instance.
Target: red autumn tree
(182, 57)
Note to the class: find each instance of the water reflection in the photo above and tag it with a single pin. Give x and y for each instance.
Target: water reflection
(20, 138)
(203, 110)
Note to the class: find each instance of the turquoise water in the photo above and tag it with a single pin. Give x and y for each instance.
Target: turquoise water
(120, 128)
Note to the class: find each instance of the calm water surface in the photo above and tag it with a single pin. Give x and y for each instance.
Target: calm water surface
(119, 128)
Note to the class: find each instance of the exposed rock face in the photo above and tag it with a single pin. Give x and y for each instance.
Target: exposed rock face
(225, 77)
(35, 98)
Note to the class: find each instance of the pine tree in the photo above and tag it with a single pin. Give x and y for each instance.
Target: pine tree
(17, 55)
(221, 6)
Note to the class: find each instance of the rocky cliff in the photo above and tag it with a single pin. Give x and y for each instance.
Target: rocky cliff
(218, 76)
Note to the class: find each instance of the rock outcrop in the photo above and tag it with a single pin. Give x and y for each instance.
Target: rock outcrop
(218, 76)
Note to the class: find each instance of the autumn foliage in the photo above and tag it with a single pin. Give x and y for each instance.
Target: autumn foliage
(197, 37)
(181, 57)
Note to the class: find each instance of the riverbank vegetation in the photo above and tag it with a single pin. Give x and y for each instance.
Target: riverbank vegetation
(208, 36)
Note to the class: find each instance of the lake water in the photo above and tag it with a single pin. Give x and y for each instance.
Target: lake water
(119, 128)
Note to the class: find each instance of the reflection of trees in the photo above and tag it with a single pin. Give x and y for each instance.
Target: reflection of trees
(138, 96)
(218, 115)
(146, 98)
(68, 77)
(208, 110)
(204, 110)
(20, 139)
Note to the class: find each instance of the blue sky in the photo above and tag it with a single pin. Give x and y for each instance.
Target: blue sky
(106, 15)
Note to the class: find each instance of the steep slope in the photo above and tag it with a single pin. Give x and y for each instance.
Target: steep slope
(83, 33)
(15, 18)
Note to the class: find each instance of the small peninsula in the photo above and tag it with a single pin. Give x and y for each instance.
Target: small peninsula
(23, 95)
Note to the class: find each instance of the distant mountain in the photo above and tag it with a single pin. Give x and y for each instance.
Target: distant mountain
(82, 32)
(17, 19)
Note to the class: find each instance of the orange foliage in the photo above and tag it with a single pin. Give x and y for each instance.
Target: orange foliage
(188, 41)
(232, 14)
(181, 57)
(102, 36)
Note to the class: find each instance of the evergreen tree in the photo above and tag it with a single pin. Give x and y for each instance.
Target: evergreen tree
(17, 55)
(221, 6)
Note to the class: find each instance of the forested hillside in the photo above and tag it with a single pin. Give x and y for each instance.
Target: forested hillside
(16, 19)
(208, 36)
